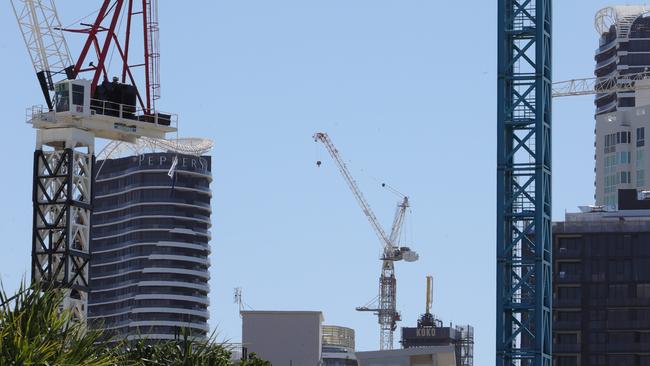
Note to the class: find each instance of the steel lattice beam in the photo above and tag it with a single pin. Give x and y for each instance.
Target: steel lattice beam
(524, 184)
(62, 195)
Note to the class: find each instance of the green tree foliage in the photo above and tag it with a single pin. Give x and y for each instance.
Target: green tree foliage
(184, 351)
(253, 360)
(34, 331)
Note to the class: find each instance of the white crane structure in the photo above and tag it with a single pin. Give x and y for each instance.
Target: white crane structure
(43, 36)
(80, 111)
(385, 304)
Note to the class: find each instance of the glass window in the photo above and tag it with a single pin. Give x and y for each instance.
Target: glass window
(640, 136)
(621, 338)
(567, 338)
(643, 290)
(569, 293)
(625, 178)
(624, 157)
(62, 97)
(77, 94)
(640, 158)
(571, 316)
(617, 291)
(567, 361)
(640, 178)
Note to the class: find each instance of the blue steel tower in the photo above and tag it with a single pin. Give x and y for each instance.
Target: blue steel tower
(524, 184)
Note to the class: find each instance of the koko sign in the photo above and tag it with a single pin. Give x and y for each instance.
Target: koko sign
(425, 332)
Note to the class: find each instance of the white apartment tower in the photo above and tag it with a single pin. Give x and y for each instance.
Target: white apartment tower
(622, 118)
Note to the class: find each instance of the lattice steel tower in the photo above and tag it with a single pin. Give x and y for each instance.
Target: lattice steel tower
(524, 184)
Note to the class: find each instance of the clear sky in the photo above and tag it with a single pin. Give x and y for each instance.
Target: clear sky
(406, 89)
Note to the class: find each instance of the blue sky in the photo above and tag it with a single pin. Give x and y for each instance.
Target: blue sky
(406, 89)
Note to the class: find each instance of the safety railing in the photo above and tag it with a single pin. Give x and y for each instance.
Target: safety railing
(38, 113)
(130, 112)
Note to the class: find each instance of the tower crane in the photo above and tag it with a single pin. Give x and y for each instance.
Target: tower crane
(78, 111)
(385, 304)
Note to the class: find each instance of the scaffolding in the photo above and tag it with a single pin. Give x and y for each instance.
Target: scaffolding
(466, 345)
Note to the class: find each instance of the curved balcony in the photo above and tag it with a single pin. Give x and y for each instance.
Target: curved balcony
(137, 170)
(137, 187)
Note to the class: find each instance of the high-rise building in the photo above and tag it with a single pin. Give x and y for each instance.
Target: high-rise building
(623, 49)
(601, 286)
(150, 243)
(621, 117)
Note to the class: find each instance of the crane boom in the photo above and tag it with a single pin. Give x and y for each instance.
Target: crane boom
(40, 27)
(398, 221)
(365, 207)
(594, 85)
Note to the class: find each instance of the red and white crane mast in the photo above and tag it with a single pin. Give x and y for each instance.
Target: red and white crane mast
(79, 111)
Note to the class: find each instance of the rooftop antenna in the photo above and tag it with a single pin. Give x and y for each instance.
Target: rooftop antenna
(429, 299)
(239, 300)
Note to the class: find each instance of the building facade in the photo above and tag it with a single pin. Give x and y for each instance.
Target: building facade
(417, 356)
(620, 153)
(338, 346)
(292, 338)
(623, 49)
(150, 246)
(621, 117)
(601, 286)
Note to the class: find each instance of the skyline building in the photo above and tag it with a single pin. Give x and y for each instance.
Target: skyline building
(150, 244)
(621, 117)
(601, 286)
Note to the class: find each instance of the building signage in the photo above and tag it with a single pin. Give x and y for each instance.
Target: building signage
(425, 332)
(164, 161)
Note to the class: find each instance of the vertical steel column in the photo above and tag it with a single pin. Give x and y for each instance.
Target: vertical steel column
(524, 184)
(62, 195)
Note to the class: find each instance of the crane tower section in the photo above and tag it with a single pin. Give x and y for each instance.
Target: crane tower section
(524, 93)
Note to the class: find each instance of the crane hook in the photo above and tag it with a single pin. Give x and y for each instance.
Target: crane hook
(318, 163)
